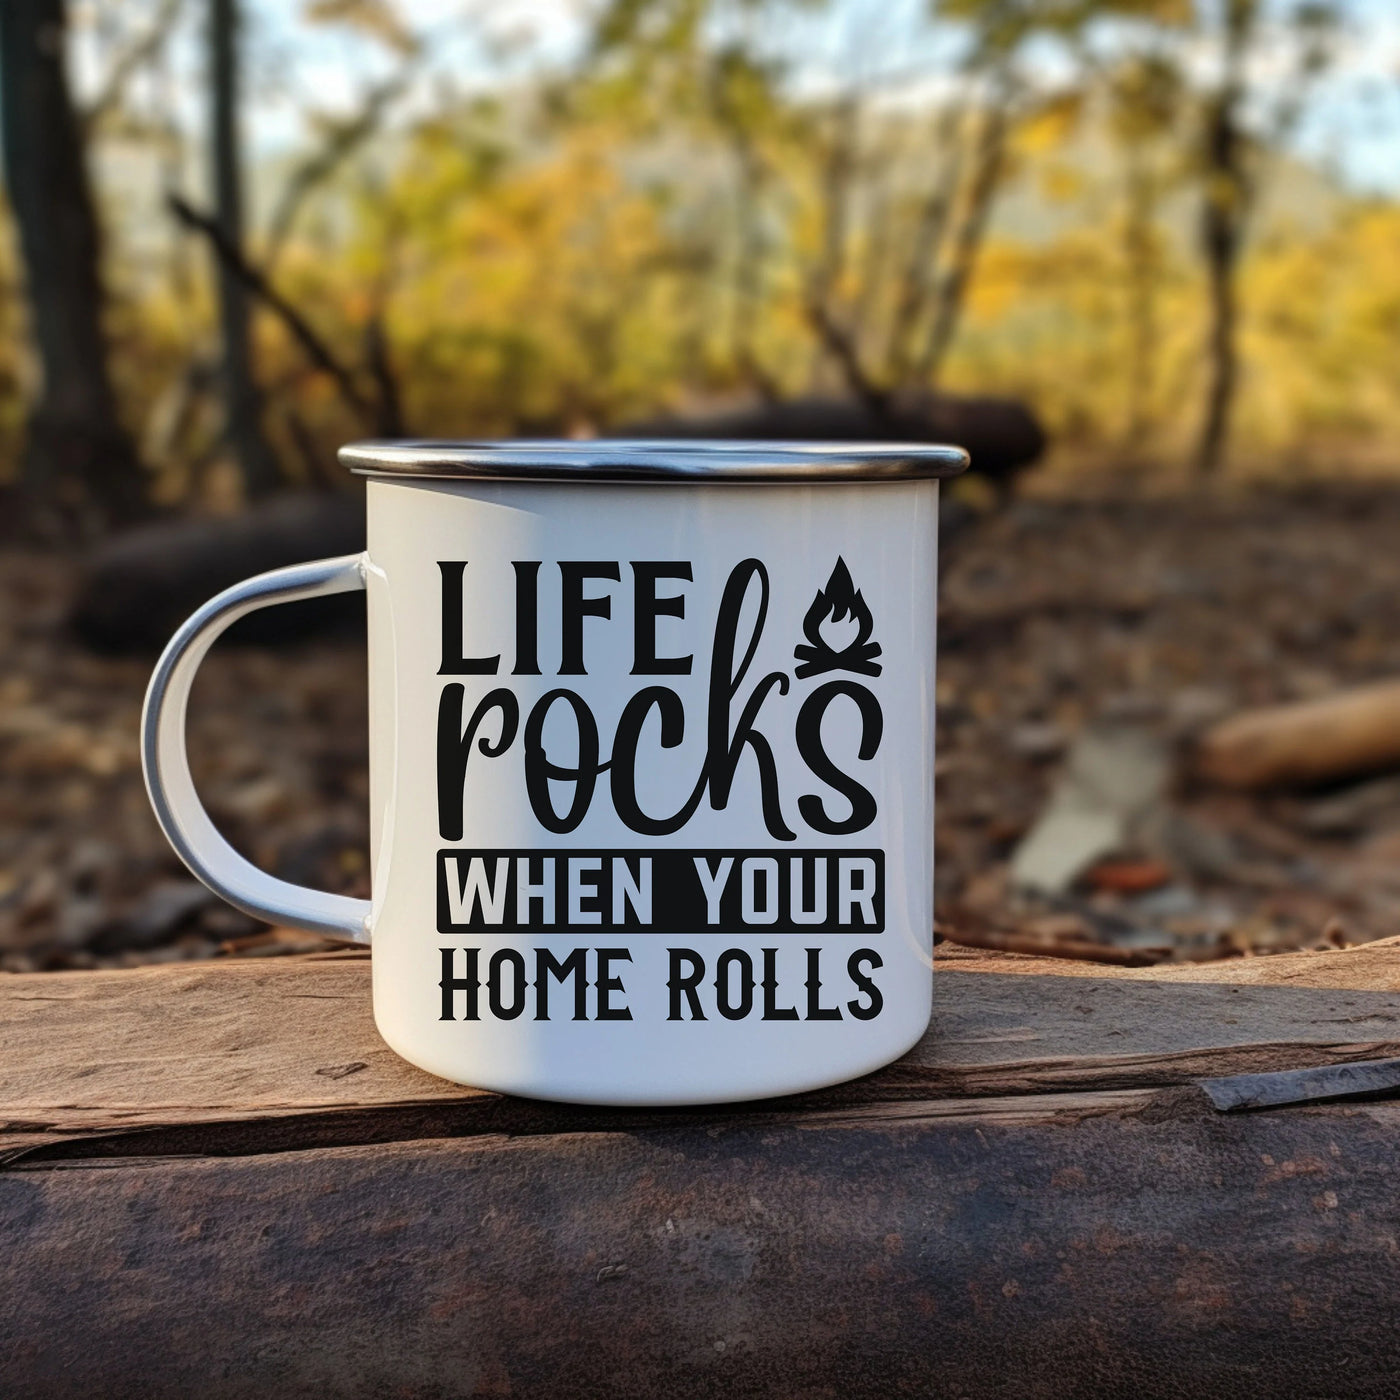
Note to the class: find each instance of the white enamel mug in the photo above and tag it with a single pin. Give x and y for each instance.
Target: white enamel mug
(651, 761)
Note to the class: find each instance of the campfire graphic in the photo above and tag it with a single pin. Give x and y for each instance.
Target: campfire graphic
(839, 600)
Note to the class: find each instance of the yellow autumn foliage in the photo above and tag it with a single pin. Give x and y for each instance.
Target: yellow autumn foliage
(583, 278)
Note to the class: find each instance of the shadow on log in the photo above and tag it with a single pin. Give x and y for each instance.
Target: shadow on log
(141, 585)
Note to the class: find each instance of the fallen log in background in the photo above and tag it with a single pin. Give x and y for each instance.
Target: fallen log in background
(1340, 736)
(141, 585)
(221, 1182)
(1003, 436)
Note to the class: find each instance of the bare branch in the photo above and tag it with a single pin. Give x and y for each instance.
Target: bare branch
(748, 270)
(143, 48)
(318, 167)
(381, 370)
(840, 345)
(837, 174)
(966, 239)
(919, 274)
(839, 341)
(316, 349)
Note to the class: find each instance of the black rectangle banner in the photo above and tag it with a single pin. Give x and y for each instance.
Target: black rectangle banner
(661, 891)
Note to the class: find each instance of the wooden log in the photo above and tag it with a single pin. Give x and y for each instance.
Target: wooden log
(1317, 741)
(140, 586)
(285, 1050)
(220, 1182)
(1157, 1251)
(1003, 436)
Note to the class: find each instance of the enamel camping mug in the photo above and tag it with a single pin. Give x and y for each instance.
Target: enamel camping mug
(651, 761)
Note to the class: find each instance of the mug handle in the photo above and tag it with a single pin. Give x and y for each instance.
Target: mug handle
(167, 770)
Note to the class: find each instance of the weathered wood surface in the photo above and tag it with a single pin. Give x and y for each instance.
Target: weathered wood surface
(219, 1182)
(253, 1044)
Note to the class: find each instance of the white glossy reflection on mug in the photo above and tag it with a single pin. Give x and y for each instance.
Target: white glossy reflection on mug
(651, 762)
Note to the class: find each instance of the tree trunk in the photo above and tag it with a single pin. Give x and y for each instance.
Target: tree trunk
(1140, 254)
(80, 468)
(839, 337)
(917, 278)
(242, 399)
(748, 272)
(1222, 233)
(966, 240)
(1220, 347)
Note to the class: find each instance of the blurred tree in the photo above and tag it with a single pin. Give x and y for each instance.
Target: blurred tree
(369, 389)
(341, 138)
(885, 242)
(998, 30)
(145, 45)
(1230, 159)
(1224, 205)
(242, 399)
(1145, 99)
(80, 468)
(1001, 100)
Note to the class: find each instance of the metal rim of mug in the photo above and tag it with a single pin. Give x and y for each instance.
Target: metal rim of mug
(635, 460)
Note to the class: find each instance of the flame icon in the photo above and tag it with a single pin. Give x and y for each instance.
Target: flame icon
(840, 599)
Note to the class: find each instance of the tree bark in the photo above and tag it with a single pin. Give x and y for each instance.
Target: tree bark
(80, 468)
(242, 399)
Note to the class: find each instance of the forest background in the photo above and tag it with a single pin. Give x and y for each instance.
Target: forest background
(1168, 225)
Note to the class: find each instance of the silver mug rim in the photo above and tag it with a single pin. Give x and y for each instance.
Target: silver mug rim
(694, 461)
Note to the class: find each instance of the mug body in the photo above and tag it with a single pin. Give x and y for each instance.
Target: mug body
(652, 772)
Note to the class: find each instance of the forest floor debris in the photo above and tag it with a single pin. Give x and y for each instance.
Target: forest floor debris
(1082, 622)
(1113, 779)
(1061, 618)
